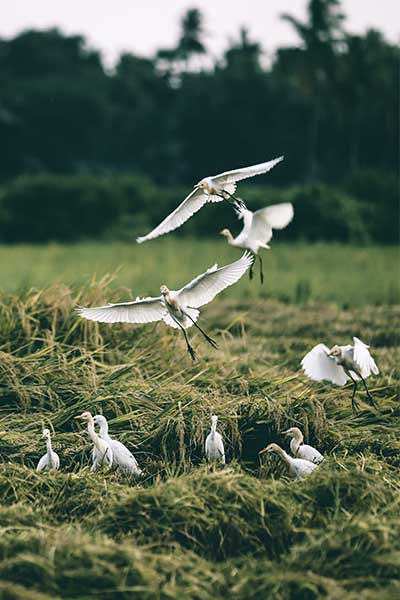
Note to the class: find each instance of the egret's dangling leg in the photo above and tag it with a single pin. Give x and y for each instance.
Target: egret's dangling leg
(236, 202)
(212, 342)
(370, 398)
(261, 270)
(251, 271)
(354, 404)
(189, 347)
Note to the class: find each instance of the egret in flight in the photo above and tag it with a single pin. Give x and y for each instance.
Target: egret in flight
(297, 467)
(102, 452)
(300, 450)
(210, 189)
(122, 457)
(257, 228)
(214, 444)
(340, 364)
(178, 309)
(50, 460)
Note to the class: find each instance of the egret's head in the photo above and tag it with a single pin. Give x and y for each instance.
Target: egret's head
(335, 351)
(85, 416)
(164, 290)
(201, 185)
(225, 232)
(214, 419)
(46, 433)
(294, 432)
(270, 448)
(99, 420)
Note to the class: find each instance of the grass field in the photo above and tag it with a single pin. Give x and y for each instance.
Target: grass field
(186, 531)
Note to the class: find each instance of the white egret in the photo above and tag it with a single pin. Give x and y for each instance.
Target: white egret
(50, 460)
(297, 467)
(341, 363)
(210, 189)
(300, 450)
(257, 228)
(178, 309)
(102, 452)
(214, 444)
(122, 457)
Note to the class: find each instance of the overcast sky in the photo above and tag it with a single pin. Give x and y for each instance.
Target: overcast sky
(142, 26)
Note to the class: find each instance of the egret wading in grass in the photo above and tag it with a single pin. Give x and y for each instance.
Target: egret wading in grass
(50, 460)
(102, 452)
(257, 229)
(215, 451)
(178, 309)
(300, 450)
(122, 457)
(297, 467)
(341, 364)
(210, 189)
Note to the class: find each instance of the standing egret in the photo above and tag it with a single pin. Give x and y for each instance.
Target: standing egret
(122, 457)
(214, 444)
(102, 452)
(50, 460)
(177, 309)
(300, 450)
(297, 467)
(210, 189)
(341, 363)
(257, 228)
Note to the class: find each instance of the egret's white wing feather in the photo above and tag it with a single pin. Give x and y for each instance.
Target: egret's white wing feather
(317, 365)
(191, 204)
(244, 173)
(139, 311)
(43, 463)
(205, 287)
(277, 216)
(363, 358)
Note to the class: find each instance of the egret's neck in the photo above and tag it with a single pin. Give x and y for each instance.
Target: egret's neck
(229, 237)
(48, 445)
(104, 430)
(294, 445)
(213, 430)
(284, 456)
(93, 435)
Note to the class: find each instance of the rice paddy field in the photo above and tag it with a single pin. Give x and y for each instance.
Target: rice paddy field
(186, 530)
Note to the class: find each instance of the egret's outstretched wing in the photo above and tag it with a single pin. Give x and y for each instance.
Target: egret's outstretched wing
(206, 286)
(276, 216)
(317, 365)
(247, 217)
(139, 311)
(363, 359)
(239, 174)
(191, 204)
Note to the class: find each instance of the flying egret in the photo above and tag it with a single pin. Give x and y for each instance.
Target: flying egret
(50, 460)
(297, 467)
(257, 228)
(122, 457)
(102, 452)
(341, 363)
(214, 444)
(210, 189)
(300, 450)
(178, 309)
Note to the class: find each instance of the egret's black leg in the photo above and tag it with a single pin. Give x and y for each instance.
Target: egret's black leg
(354, 404)
(189, 347)
(237, 202)
(251, 271)
(212, 342)
(261, 270)
(370, 398)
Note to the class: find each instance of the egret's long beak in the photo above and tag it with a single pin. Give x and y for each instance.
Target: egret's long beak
(285, 432)
(262, 451)
(221, 232)
(79, 416)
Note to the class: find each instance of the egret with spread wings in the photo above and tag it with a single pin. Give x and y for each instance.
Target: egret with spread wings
(210, 189)
(178, 309)
(341, 364)
(257, 228)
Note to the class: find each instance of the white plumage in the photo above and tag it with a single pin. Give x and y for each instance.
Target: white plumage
(122, 457)
(210, 189)
(297, 467)
(341, 364)
(102, 453)
(50, 460)
(258, 226)
(300, 450)
(178, 309)
(214, 445)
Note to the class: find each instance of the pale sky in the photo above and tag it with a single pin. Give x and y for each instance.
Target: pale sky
(142, 26)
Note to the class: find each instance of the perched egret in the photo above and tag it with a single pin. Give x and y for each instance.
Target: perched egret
(257, 228)
(300, 450)
(102, 452)
(178, 309)
(50, 460)
(297, 467)
(214, 444)
(210, 189)
(341, 363)
(122, 457)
